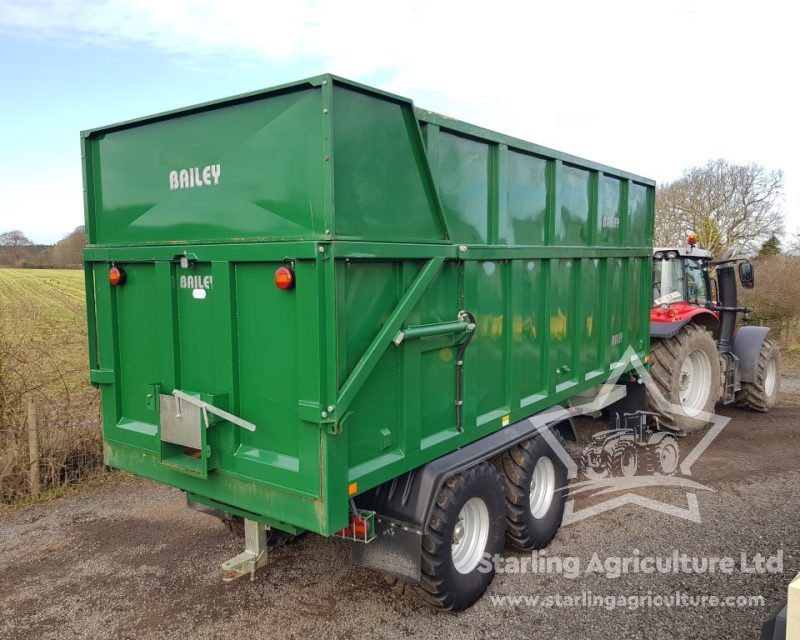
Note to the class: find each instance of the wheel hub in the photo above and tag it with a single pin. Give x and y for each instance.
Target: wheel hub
(543, 486)
(770, 377)
(470, 535)
(694, 382)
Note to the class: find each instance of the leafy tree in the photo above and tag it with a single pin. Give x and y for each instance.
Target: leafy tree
(771, 247)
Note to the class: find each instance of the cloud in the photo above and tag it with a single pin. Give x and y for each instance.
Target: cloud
(649, 87)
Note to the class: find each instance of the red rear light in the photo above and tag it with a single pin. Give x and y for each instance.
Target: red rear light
(116, 276)
(284, 278)
(359, 526)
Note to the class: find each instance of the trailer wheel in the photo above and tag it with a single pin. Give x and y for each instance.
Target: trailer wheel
(275, 537)
(685, 369)
(466, 529)
(762, 394)
(536, 490)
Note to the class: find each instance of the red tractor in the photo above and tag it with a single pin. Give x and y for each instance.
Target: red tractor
(698, 357)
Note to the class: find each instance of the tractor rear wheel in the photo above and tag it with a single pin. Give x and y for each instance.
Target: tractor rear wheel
(762, 394)
(685, 373)
(667, 454)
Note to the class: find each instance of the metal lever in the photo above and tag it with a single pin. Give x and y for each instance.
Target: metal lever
(207, 408)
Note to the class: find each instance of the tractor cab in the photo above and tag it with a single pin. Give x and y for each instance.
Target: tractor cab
(682, 286)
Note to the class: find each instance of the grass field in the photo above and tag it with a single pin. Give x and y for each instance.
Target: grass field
(44, 363)
(48, 299)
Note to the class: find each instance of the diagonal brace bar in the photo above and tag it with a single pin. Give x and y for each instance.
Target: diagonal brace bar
(386, 335)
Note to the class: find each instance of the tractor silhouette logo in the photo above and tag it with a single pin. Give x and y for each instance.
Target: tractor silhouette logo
(635, 455)
(635, 448)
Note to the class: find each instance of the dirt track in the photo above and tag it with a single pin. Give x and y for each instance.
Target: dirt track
(129, 560)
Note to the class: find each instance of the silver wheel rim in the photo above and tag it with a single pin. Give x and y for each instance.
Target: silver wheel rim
(470, 535)
(770, 377)
(694, 382)
(543, 486)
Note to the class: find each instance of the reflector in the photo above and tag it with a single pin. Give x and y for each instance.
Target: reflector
(284, 278)
(116, 276)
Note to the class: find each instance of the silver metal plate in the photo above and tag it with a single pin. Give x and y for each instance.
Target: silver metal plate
(181, 422)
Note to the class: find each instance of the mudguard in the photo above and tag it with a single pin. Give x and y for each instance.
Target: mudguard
(667, 329)
(404, 505)
(746, 346)
(658, 436)
(409, 498)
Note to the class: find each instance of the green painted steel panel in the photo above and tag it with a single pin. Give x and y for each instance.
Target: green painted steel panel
(268, 157)
(462, 176)
(382, 184)
(392, 218)
(608, 229)
(572, 215)
(488, 349)
(524, 218)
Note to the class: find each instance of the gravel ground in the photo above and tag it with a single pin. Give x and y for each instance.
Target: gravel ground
(130, 560)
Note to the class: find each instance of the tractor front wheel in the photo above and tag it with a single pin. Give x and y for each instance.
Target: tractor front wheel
(685, 379)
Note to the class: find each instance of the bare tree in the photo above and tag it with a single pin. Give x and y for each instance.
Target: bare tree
(726, 205)
(16, 241)
(69, 251)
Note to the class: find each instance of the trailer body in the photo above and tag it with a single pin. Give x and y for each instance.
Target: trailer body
(408, 234)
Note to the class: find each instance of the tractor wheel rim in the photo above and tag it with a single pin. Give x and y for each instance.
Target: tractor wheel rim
(543, 487)
(628, 463)
(695, 382)
(669, 458)
(470, 535)
(770, 377)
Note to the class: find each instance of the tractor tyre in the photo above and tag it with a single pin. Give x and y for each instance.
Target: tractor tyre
(684, 379)
(625, 459)
(762, 394)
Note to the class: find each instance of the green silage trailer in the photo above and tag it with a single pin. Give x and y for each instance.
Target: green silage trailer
(319, 308)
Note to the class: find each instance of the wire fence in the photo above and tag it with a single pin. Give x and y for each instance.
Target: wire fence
(46, 446)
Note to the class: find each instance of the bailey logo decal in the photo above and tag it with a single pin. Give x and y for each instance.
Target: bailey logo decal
(207, 176)
(196, 282)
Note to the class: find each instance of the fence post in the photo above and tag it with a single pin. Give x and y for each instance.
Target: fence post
(33, 448)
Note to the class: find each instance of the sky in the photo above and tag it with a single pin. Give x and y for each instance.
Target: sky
(649, 87)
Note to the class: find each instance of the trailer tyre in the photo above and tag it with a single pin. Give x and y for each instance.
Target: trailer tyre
(685, 369)
(762, 394)
(536, 490)
(467, 526)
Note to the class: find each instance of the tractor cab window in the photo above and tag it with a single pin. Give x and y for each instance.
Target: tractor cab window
(696, 287)
(669, 283)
